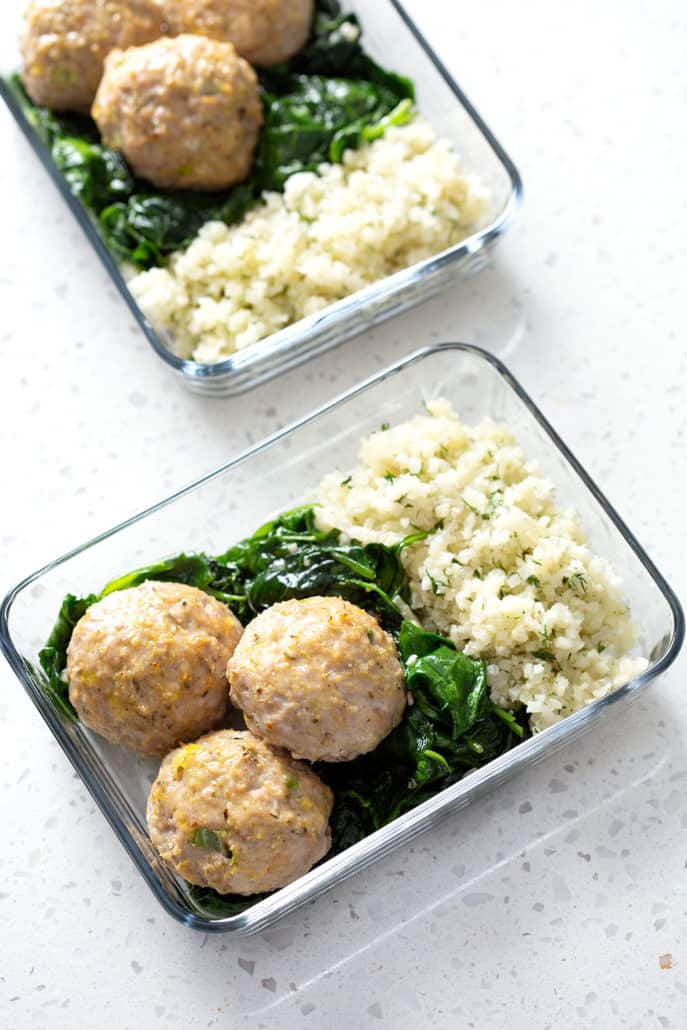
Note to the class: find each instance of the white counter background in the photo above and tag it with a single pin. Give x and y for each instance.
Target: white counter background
(549, 904)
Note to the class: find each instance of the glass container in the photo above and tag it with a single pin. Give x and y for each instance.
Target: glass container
(230, 503)
(392, 38)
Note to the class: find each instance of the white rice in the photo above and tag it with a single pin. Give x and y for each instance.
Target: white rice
(504, 572)
(397, 201)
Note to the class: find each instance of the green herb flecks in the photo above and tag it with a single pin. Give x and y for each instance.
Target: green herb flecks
(543, 655)
(53, 657)
(212, 840)
(438, 585)
(577, 582)
(480, 514)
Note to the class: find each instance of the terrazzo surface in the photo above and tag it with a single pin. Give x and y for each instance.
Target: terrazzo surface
(558, 901)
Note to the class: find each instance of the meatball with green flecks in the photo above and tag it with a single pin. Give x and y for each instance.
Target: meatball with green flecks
(319, 677)
(185, 112)
(65, 43)
(232, 813)
(265, 32)
(146, 666)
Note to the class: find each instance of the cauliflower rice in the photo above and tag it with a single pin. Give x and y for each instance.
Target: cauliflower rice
(394, 202)
(504, 572)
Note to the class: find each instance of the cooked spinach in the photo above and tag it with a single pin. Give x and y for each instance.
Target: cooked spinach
(53, 657)
(210, 903)
(451, 728)
(290, 558)
(335, 49)
(329, 97)
(192, 569)
(317, 119)
(146, 227)
(335, 42)
(95, 174)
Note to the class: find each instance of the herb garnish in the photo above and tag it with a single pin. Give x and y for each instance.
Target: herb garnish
(577, 581)
(212, 840)
(480, 514)
(543, 655)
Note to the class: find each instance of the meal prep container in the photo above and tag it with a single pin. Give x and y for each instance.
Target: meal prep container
(272, 477)
(391, 37)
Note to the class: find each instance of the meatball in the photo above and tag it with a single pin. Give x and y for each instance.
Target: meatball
(66, 42)
(318, 677)
(146, 666)
(263, 31)
(231, 813)
(185, 112)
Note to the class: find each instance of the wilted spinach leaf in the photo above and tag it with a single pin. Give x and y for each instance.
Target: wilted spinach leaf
(147, 227)
(334, 44)
(317, 119)
(290, 558)
(95, 174)
(443, 682)
(451, 728)
(53, 657)
(191, 569)
(210, 903)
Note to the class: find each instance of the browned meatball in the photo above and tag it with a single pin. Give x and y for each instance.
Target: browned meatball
(263, 31)
(185, 112)
(318, 677)
(146, 666)
(66, 42)
(231, 813)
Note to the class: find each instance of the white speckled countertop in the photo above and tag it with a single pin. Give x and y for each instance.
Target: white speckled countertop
(549, 904)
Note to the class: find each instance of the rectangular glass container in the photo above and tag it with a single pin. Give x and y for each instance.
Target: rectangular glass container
(223, 507)
(391, 37)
